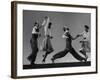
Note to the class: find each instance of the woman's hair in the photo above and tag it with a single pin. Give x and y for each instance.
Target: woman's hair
(49, 25)
(46, 17)
(35, 23)
(37, 29)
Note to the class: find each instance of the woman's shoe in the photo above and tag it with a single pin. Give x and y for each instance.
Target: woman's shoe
(52, 60)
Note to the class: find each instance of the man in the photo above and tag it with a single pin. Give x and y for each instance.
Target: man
(67, 36)
(47, 47)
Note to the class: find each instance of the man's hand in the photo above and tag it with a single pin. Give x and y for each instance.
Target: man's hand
(78, 35)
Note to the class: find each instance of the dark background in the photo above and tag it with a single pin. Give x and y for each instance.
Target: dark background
(75, 21)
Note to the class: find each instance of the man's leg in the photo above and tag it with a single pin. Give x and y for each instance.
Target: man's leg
(59, 55)
(45, 56)
(76, 55)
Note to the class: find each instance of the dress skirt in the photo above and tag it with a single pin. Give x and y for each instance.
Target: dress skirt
(34, 47)
(47, 46)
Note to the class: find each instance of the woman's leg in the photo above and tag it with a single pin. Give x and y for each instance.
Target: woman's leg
(34, 51)
(34, 54)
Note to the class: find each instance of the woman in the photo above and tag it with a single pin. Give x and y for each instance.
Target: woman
(85, 47)
(47, 46)
(45, 24)
(34, 43)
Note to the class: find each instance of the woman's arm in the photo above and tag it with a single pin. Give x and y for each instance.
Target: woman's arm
(43, 23)
(77, 36)
(65, 35)
(73, 38)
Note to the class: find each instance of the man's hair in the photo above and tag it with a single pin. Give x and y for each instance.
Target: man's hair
(86, 26)
(49, 25)
(64, 28)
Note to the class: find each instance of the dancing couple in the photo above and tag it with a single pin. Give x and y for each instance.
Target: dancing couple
(46, 44)
(69, 48)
